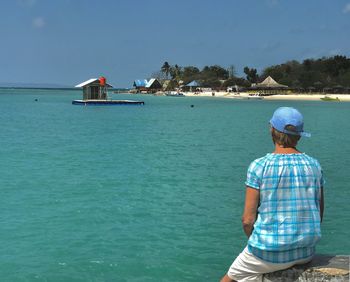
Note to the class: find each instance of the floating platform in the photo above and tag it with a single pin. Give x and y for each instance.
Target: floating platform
(106, 102)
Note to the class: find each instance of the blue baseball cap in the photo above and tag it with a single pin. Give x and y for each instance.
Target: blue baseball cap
(284, 116)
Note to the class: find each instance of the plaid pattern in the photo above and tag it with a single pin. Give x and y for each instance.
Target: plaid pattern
(288, 222)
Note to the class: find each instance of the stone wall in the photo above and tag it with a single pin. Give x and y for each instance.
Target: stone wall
(321, 268)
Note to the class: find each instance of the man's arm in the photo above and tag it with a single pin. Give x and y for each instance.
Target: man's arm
(252, 198)
(321, 204)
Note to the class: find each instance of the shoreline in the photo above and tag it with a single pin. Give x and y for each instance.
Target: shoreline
(291, 97)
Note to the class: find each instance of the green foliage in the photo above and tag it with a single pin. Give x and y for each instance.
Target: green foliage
(209, 76)
(172, 85)
(214, 72)
(236, 81)
(166, 69)
(175, 72)
(189, 74)
(311, 74)
(252, 74)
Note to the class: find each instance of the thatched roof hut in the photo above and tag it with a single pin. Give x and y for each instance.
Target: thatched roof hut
(269, 86)
(269, 82)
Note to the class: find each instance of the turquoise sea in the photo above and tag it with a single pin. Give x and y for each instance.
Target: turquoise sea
(145, 193)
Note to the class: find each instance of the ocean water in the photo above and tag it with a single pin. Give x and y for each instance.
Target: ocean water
(145, 193)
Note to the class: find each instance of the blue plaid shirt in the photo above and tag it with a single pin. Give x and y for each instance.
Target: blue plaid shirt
(288, 221)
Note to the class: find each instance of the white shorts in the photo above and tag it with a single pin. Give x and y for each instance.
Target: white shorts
(248, 267)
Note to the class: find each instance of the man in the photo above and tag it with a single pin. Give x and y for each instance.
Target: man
(283, 205)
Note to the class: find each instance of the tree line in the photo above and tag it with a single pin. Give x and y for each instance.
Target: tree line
(326, 73)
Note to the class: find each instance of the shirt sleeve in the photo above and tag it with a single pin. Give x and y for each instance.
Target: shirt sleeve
(253, 180)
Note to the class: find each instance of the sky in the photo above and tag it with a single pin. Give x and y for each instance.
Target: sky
(66, 42)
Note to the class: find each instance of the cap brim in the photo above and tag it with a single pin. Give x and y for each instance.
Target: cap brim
(303, 134)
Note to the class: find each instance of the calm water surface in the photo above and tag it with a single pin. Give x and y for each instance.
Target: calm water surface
(145, 193)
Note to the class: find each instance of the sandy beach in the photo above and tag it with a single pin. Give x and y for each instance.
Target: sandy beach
(310, 97)
(304, 96)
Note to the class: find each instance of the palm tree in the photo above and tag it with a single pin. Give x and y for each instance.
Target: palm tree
(175, 72)
(166, 69)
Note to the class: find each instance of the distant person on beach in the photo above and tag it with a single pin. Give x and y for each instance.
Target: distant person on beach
(283, 204)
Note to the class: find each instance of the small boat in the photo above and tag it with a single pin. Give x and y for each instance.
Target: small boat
(175, 94)
(106, 102)
(330, 99)
(255, 97)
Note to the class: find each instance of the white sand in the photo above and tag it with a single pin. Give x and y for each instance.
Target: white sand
(309, 97)
(305, 97)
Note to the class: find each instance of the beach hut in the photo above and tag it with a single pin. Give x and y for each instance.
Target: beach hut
(338, 89)
(153, 85)
(148, 86)
(192, 84)
(95, 93)
(140, 84)
(95, 88)
(269, 86)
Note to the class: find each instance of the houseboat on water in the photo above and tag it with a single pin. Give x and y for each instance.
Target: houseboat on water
(95, 92)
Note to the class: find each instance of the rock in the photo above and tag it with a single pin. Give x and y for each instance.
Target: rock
(321, 268)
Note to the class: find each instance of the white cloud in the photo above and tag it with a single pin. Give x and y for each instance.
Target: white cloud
(38, 22)
(346, 8)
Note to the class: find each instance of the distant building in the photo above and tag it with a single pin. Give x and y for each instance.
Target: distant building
(154, 84)
(269, 87)
(150, 86)
(234, 88)
(140, 84)
(193, 85)
(95, 88)
(95, 93)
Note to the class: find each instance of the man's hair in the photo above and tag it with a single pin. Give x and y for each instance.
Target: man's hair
(284, 139)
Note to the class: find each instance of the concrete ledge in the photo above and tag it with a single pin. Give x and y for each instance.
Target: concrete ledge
(321, 268)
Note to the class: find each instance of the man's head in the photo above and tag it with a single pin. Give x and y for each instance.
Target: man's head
(287, 126)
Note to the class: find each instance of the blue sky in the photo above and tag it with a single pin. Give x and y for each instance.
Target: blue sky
(68, 41)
